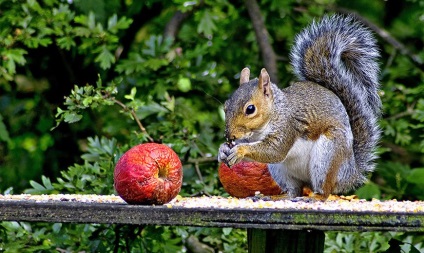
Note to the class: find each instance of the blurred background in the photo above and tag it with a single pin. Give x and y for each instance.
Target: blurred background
(80, 80)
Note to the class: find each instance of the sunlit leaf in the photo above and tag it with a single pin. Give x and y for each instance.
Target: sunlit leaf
(72, 117)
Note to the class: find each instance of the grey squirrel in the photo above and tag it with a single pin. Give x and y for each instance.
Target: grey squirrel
(321, 131)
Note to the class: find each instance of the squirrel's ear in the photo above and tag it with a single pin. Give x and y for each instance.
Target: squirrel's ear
(264, 82)
(244, 76)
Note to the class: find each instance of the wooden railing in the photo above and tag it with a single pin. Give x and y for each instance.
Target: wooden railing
(273, 226)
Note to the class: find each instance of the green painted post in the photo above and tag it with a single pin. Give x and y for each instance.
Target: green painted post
(285, 241)
(256, 240)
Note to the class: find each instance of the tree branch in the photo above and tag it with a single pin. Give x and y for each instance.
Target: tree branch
(199, 174)
(173, 26)
(408, 112)
(140, 18)
(196, 246)
(134, 116)
(269, 57)
(202, 160)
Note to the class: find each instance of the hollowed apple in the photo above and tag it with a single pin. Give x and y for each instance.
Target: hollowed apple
(246, 178)
(149, 173)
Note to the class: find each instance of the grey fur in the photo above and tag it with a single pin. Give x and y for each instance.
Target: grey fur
(321, 131)
(350, 71)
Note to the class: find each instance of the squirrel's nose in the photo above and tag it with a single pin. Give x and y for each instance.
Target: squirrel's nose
(228, 137)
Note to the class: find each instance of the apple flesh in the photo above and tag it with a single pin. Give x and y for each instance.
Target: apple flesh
(147, 174)
(246, 178)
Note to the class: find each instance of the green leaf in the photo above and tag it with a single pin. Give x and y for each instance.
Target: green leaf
(133, 64)
(206, 24)
(151, 45)
(59, 112)
(155, 63)
(99, 82)
(111, 23)
(91, 21)
(151, 108)
(413, 250)
(114, 25)
(8, 191)
(44, 42)
(169, 103)
(56, 227)
(227, 231)
(132, 94)
(66, 42)
(46, 182)
(369, 191)
(72, 117)
(87, 101)
(82, 32)
(81, 19)
(13, 56)
(416, 176)
(123, 23)
(419, 111)
(37, 186)
(4, 134)
(105, 58)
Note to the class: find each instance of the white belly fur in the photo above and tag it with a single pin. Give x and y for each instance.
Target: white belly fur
(298, 158)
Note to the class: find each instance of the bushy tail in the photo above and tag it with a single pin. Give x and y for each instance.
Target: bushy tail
(340, 54)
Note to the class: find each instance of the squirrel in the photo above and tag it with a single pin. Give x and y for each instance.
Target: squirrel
(321, 131)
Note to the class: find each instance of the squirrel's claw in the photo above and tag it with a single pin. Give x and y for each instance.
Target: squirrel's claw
(228, 154)
(233, 156)
(223, 151)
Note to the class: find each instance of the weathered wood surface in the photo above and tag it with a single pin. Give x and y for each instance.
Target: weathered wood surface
(241, 217)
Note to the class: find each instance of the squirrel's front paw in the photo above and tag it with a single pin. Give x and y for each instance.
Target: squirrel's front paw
(234, 156)
(230, 156)
(223, 152)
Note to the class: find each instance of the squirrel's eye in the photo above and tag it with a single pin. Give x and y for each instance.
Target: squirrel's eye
(250, 109)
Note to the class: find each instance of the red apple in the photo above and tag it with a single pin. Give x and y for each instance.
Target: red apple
(245, 178)
(149, 173)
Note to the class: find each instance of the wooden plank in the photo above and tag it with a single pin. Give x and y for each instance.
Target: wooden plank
(263, 218)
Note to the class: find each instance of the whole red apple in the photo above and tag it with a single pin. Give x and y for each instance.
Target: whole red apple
(246, 177)
(149, 173)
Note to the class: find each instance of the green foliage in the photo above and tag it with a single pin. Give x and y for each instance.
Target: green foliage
(125, 81)
(48, 237)
(33, 25)
(95, 175)
(82, 98)
(98, 40)
(4, 134)
(372, 242)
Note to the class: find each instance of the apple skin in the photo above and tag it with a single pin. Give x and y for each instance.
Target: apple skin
(148, 174)
(247, 177)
